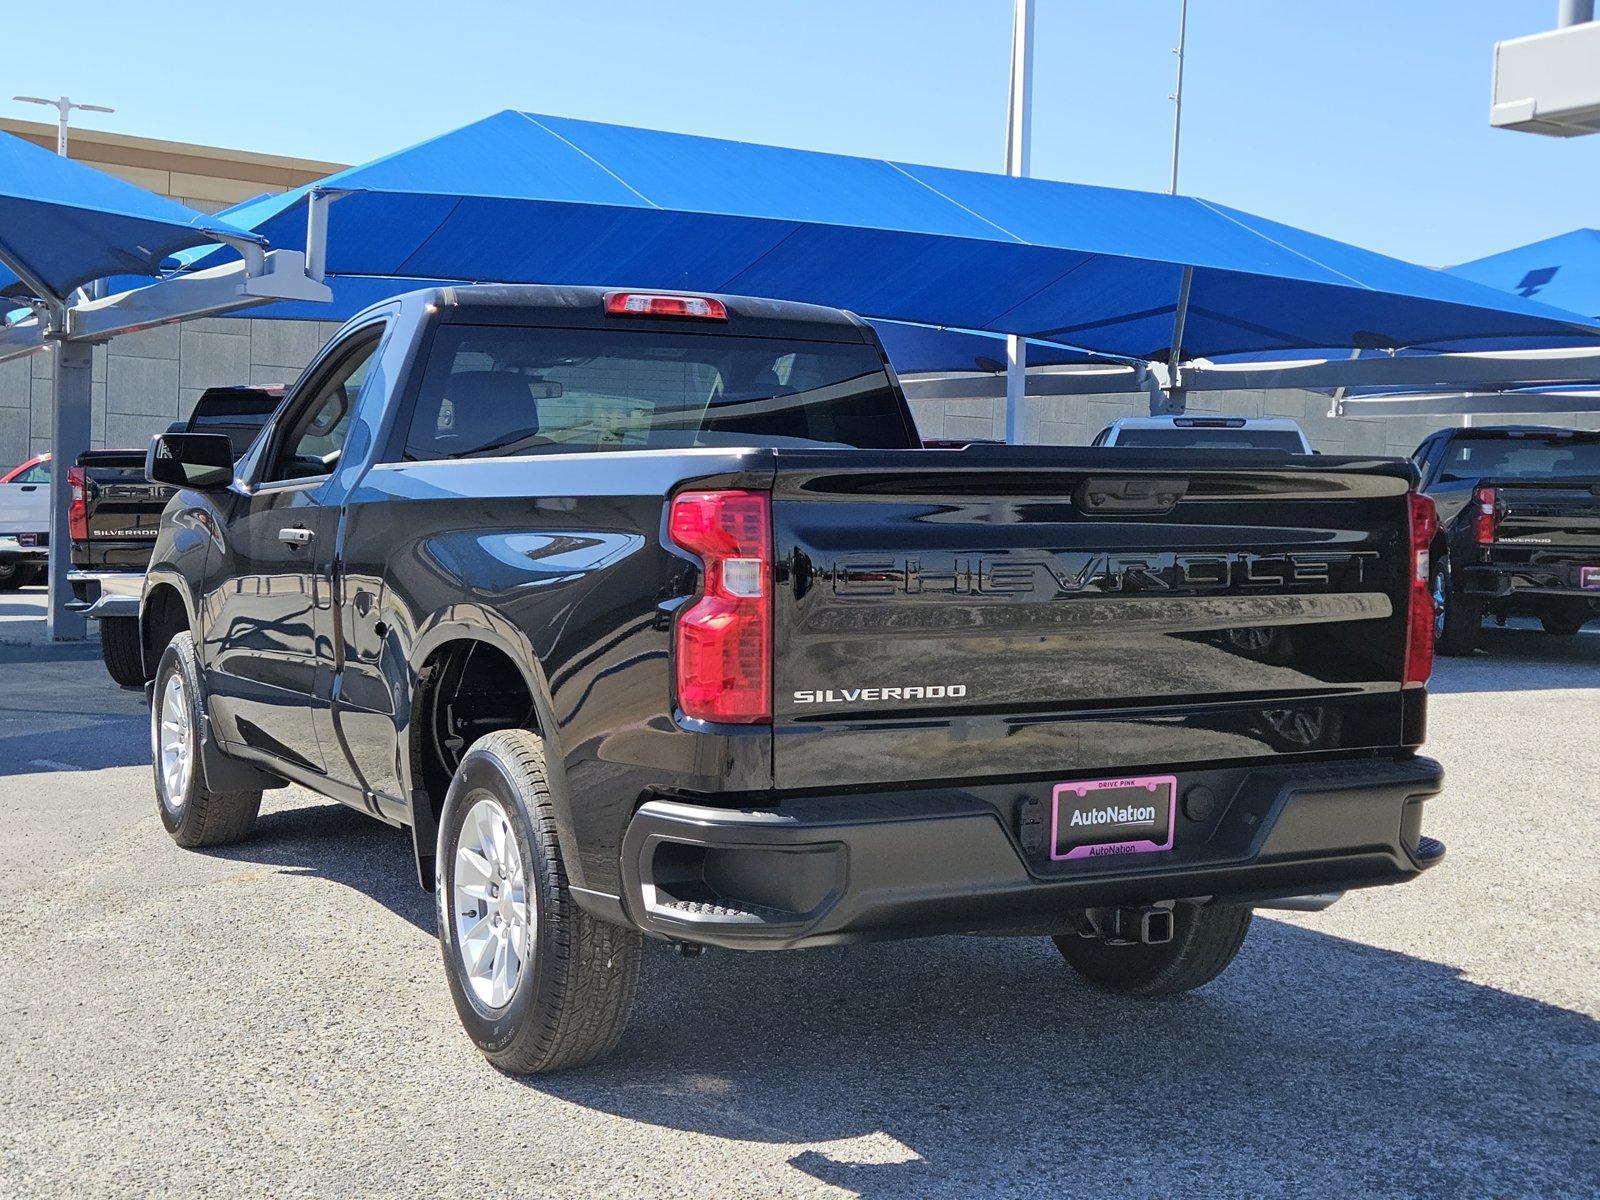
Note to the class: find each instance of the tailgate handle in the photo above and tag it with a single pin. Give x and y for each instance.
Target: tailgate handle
(297, 536)
(1136, 494)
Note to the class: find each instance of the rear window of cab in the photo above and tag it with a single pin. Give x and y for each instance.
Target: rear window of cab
(490, 391)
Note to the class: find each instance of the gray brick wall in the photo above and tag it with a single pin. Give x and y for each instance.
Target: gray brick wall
(145, 381)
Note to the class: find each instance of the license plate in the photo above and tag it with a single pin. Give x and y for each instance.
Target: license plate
(1098, 817)
(1589, 577)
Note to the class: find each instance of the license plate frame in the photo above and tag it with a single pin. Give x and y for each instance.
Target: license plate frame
(1589, 579)
(1152, 836)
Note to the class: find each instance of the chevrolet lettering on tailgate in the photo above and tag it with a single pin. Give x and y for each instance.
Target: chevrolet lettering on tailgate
(1067, 573)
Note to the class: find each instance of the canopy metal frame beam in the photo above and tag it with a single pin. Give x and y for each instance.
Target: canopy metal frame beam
(261, 276)
(1467, 403)
(1487, 369)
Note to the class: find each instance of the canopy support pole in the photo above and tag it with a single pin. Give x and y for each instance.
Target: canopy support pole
(1019, 139)
(317, 202)
(71, 401)
(1172, 400)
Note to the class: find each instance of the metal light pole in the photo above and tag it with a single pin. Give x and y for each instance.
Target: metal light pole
(1177, 93)
(63, 107)
(1019, 136)
(1574, 12)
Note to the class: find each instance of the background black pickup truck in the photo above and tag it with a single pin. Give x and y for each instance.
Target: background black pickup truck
(1519, 528)
(116, 512)
(648, 615)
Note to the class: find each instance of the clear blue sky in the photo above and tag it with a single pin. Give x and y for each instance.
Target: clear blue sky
(1365, 120)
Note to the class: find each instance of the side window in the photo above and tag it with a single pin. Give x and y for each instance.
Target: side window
(315, 429)
(38, 473)
(1427, 458)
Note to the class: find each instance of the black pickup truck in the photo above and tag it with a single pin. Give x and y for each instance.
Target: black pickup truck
(648, 615)
(116, 512)
(1519, 528)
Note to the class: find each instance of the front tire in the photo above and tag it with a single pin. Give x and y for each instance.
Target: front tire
(1457, 621)
(539, 984)
(121, 651)
(192, 813)
(1205, 939)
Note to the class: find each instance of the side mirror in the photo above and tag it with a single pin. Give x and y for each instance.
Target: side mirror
(203, 461)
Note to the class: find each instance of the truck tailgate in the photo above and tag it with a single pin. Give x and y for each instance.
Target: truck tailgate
(24, 507)
(1556, 515)
(122, 512)
(1007, 611)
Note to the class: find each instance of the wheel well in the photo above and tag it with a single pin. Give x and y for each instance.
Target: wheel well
(465, 689)
(163, 619)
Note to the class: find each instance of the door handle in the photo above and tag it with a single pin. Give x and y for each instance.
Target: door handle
(295, 536)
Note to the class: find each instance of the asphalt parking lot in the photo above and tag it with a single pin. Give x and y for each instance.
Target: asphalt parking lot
(272, 1018)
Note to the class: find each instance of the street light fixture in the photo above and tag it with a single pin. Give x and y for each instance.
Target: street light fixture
(63, 107)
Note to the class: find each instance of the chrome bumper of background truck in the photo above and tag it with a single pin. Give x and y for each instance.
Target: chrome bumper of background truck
(106, 593)
(12, 550)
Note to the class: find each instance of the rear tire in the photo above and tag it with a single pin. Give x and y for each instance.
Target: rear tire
(1205, 939)
(121, 651)
(191, 812)
(1562, 626)
(1457, 622)
(12, 576)
(539, 984)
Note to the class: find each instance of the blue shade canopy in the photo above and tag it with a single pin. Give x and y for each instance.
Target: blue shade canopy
(519, 197)
(911, 348)
(64, 224)
(1563, 270)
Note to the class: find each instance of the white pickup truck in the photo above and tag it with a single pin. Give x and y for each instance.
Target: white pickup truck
(24, 522)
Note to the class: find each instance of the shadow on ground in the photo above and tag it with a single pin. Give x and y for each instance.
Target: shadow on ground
(1521, 657)
(59, 709)
(330, 841)
(964, 1066)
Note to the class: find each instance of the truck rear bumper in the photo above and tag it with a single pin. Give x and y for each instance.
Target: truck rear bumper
(12, 550)
(835, 869)
(1503, 581)
(106, 593)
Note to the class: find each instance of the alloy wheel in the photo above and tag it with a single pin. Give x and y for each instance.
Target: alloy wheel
(174, 743)
(494, 921)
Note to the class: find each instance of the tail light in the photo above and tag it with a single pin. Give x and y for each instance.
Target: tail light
(722, 647)
(1419, 606)
(77, 510)
(643, 304)
(1483, 516)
